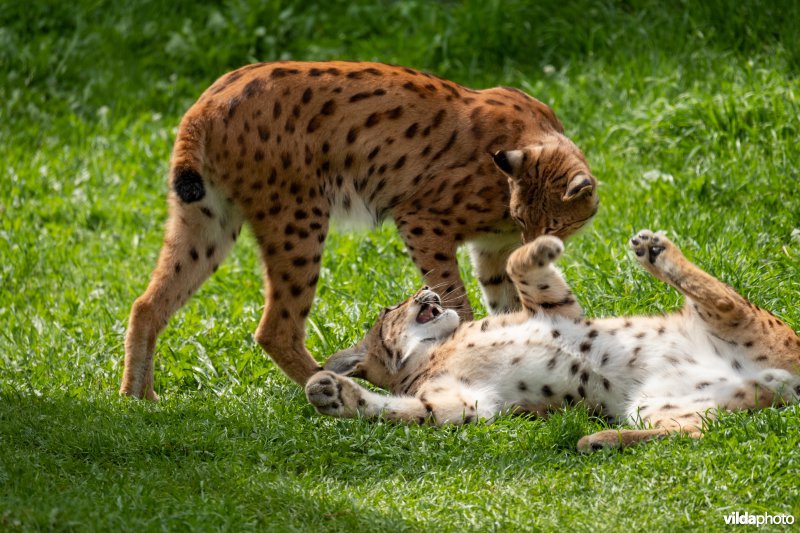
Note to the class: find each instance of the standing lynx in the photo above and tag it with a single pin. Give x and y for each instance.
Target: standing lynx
(667, 372)
(286, 146)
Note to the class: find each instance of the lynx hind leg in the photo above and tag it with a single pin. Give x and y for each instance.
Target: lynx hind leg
(618, 438)
(198, 237)
(766, 339)
(622, 438)
(540, 286)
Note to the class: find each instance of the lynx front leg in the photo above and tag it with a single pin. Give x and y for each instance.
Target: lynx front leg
(442, 402)
(540, 285)
(435, 256)
(292, 253)
(342, 397)
(489, 257)
(768, 341)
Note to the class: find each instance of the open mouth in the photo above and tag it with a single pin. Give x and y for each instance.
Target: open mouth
(428, 312)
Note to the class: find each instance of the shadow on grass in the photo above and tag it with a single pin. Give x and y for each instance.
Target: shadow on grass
(115, 464)
(203, 462)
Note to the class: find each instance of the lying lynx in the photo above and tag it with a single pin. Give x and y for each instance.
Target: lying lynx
(666, 372)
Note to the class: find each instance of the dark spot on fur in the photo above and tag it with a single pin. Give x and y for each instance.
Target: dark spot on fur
(283, 72)
(438, 118)
(395, 113)
(328, 107)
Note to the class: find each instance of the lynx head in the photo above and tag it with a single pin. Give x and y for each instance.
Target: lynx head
(552, 190)
(402, 332)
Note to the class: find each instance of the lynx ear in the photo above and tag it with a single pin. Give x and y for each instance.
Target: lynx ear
(347, 362)
(509, 161)
(578, 186)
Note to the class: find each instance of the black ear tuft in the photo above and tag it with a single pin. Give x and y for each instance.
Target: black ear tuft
(501, 160)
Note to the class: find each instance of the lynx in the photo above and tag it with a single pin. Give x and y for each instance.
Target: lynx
(667, 373)
(285, 147)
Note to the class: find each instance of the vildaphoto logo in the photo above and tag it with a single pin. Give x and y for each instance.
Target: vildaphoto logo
(748, 519)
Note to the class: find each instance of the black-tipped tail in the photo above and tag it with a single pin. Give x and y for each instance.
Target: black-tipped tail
(188, 185)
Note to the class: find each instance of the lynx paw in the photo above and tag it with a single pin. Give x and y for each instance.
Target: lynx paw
(332, 394)
(537, 254)
(648, 246)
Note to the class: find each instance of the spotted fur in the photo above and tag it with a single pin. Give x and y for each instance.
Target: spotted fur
(668, 373)
(286, 146)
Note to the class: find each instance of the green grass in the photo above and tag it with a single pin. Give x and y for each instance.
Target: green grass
(688, 112)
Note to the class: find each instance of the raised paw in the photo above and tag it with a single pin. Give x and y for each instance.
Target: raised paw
(648, 246)
(537, 254)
